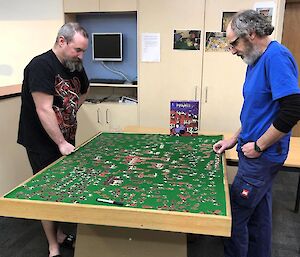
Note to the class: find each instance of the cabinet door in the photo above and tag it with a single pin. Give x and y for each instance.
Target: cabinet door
(223, 74)
(116, 116)
(89, 123)
(71, 6)
(118, 5)
(178, 74)
(105, 117)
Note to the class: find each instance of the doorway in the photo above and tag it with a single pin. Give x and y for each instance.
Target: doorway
(291, 37)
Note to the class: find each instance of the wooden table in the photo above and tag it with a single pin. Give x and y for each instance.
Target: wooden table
(123, 231)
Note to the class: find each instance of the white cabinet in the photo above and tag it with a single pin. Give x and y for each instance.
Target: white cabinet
(223, 75)
(178, 74)
(118, 5)
(214, 78)
(73, 6)
(80, 6)
(106, 116)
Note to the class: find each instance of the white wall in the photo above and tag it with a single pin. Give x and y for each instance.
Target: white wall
(28, 28)
(14, 164)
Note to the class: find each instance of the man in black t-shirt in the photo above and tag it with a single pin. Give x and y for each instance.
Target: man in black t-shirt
(54, 87)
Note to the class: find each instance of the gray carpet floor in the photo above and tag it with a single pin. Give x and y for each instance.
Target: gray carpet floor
(25, 238)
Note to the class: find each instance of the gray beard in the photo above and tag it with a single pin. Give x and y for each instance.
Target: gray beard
(252, 55)
(74, 65)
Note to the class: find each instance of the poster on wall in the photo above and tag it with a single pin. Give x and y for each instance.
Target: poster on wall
(150, 47)
(267, 9)
(216, 42)
(187, 39)
(226, 17)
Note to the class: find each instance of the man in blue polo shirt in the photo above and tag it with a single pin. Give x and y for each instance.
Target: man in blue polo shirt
(271, 108)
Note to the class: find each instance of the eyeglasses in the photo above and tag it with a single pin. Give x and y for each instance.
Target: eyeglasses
(234, 43)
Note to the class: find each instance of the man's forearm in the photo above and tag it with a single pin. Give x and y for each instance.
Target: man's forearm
(49, 122)
(236, 135)
(271, 136)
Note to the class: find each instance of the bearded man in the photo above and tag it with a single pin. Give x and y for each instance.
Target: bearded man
(271, 108)
(54, 87)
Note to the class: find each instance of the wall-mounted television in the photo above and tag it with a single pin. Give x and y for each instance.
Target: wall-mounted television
(107, 46)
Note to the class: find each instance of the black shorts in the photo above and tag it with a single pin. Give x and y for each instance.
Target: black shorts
(40, 160)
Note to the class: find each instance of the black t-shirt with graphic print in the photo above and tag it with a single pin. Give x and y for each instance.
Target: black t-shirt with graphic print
(46, 74)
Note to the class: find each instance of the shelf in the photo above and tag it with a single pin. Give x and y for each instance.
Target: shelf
(109, 103)
(10, 91)
(112, 85)
(111, 93)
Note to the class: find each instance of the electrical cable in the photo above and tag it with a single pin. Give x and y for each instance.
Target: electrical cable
(116, 72)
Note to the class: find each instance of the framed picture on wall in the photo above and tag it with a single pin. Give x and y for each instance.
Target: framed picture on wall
(187, 39)
(267, 9)
(226, 19)
(216, 42)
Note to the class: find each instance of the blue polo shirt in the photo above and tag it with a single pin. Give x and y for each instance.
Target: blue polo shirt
(273, 76)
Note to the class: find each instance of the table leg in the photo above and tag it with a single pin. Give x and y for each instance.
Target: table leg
(296, 210)
(127, 242)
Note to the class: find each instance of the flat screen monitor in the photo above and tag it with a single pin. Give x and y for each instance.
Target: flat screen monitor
(107, 46)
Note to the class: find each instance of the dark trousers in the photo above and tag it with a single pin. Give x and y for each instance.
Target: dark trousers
(251, 206)
(40, 160)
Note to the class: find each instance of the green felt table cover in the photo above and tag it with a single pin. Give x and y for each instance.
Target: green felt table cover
(149, 171)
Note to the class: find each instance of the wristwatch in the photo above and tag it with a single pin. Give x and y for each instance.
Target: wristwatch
(257, 148)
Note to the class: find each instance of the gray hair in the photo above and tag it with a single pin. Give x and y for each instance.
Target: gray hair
(245, 22)
(68, 31)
